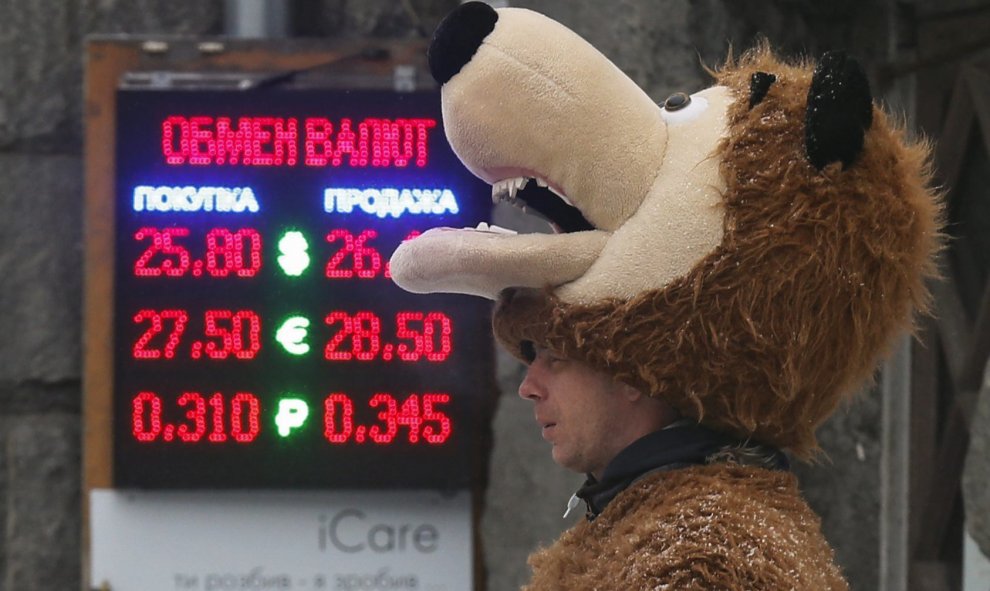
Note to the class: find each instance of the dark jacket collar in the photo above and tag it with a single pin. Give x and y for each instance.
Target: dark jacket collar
(679, 445)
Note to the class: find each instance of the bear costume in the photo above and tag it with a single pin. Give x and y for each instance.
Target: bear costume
(747, 253)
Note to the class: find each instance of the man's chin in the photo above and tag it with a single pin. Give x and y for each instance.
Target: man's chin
(561, 458)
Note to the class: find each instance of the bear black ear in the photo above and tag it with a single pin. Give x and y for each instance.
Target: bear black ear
(839, 111)
(759, 86)
(458, 37)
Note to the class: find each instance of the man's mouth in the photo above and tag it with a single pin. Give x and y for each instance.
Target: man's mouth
(534, 195)
(547, 429)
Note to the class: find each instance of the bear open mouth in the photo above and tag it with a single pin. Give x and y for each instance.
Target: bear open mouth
(540, 199)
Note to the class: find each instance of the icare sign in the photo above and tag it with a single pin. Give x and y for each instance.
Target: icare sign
(259, 341)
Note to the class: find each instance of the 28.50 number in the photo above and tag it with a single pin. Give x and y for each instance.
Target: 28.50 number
(419, 335)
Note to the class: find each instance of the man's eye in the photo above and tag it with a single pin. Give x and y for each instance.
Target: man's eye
(548, 356)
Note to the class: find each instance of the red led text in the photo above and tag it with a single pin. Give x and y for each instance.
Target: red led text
(354, 258)
(418, 417)
(227, 334)
(421, 335)
(227, 253)
(279, 141)
(216, 419)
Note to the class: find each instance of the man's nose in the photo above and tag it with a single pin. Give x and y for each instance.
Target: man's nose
(530, 388)
(458, 37)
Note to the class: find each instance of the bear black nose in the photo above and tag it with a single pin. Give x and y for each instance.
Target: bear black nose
(457, 37)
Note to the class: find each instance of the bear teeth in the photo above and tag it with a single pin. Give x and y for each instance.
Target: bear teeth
(492, 228)
(505, 190)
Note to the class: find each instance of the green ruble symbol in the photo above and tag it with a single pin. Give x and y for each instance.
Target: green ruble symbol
(292, 413)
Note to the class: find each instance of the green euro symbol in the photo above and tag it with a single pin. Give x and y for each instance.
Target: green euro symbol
(292, 335)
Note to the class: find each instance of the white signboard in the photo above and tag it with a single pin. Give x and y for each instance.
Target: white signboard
(976, 566)
(298, 541)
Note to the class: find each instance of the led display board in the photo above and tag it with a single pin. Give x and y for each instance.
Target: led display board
(259, 341)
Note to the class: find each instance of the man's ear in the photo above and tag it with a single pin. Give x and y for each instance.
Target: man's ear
(629, 393)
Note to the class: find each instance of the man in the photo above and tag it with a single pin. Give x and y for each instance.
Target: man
(669, 502)
(615, 434)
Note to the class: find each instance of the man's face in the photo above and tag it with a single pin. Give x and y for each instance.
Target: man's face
(583, 413)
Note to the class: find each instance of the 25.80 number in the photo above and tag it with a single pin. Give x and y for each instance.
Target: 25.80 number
(228, 252)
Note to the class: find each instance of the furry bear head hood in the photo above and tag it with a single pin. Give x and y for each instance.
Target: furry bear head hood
(747, 252)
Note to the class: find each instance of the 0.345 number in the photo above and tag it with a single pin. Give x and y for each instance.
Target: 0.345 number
(419, 416)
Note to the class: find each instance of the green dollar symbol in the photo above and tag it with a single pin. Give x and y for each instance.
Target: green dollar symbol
(293, 258)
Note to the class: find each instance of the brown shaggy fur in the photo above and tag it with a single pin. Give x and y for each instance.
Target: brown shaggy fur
(817, 275)
(709, 527)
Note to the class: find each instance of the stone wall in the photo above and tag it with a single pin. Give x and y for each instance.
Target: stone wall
(661, 45)
(41, 74)
(977, 473)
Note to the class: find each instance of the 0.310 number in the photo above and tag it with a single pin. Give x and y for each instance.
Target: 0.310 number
(205, 417)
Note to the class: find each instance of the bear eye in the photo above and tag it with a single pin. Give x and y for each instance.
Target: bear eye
(677, 101)
(681, 107)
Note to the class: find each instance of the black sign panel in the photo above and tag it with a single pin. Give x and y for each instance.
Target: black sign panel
(259, 340)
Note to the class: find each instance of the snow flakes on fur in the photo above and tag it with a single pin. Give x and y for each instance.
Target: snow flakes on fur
(721, 527)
